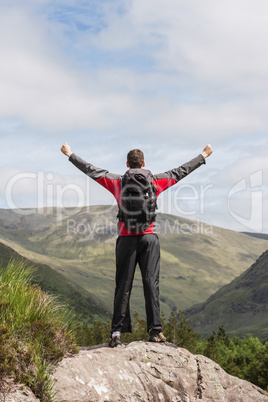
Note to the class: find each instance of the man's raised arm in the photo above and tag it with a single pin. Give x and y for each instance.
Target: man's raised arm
(167, 179)
(110, 181)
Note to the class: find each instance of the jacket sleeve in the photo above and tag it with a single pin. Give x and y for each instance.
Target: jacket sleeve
(163, 181)
(110, 181)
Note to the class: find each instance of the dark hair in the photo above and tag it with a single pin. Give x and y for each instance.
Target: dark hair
(135, 158)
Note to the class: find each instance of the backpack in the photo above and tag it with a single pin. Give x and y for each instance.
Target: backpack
(138, 200)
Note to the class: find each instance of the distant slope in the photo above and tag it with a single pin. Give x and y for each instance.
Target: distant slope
(258, 235)
(55, 283)
(241, 306)
(196, 259)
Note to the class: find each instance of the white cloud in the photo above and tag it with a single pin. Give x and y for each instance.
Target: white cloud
(212, 71)
(37, 87)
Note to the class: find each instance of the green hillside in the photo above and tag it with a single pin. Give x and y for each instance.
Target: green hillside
(55, 283)
(241, 306)
(196, 259)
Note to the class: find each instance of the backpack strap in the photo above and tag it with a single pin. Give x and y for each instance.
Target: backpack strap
(119, 215)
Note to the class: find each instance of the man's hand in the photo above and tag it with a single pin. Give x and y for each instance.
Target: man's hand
(207, 151)
(66, 149)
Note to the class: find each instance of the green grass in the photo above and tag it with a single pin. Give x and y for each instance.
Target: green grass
(36, 331)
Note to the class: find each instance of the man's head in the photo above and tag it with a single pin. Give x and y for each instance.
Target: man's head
(135, 159)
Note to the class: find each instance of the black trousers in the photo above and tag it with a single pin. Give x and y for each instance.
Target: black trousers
(130, 250)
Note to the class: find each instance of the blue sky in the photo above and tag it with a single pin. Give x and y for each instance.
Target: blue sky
(164, 76)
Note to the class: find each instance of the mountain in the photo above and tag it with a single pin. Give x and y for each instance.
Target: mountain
(55, 283)
(241, 306)
(196, 258)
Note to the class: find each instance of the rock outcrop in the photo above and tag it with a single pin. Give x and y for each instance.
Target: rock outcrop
(14, 392)
(143, 371)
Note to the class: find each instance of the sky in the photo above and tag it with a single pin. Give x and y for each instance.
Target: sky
(107, 76)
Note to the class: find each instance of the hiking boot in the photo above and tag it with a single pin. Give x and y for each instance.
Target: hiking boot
(115, 341)
(156, 336)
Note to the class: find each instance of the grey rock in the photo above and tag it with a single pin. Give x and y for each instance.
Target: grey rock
(135, 373)
(14, 392)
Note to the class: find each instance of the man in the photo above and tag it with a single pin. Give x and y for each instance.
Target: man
(134, 247)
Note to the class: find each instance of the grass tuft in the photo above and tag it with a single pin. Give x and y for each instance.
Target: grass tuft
(36, 330)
